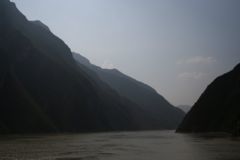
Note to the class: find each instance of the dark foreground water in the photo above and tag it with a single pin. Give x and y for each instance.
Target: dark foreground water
(150, 145)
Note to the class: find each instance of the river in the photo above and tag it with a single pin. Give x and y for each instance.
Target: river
(146, 145)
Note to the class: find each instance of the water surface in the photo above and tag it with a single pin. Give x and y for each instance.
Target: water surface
(147, 145)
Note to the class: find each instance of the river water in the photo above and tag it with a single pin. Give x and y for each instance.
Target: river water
(147, 145)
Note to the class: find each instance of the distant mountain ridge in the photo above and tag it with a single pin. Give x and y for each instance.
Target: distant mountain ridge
(141, 94)
(218, 108)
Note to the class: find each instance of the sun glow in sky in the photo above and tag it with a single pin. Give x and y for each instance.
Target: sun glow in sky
(177, 47)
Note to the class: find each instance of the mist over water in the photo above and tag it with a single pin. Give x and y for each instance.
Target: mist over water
(147, 145)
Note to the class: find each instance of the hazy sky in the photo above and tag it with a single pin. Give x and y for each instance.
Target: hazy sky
(176, 46)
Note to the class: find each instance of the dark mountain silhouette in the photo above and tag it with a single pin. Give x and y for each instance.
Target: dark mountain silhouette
(43, 89)
(218, 108)
(40, 24)
(143, 95)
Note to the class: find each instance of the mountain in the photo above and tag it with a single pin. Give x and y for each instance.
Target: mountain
(185, 108)
(43, 89)
(143, 95)
(218, 108)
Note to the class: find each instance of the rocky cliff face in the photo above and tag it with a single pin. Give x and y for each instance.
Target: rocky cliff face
(218, 108)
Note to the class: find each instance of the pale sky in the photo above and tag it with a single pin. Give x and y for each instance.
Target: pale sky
(176, 46)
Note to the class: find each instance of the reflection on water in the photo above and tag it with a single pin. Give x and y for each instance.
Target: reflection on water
(149, 145)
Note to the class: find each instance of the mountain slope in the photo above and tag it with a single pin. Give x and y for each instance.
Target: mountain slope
(144, 96)
(218, 108)
(43, 89)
